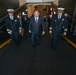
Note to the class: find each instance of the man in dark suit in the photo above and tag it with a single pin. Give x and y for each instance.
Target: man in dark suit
(58, 23)
(36, 21)
(13, 26)
(25, 25)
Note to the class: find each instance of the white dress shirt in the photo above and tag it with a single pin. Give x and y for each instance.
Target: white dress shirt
(36, 18)
(11, 17)
(59, 17)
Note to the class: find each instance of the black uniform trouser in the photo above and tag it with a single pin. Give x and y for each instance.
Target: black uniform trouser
(15, 37)
(25, 31)
(35, 38)
(55, 37)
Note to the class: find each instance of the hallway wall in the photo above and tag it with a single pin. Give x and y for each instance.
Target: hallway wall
(4, 5)
(40, 8)
(68, 4)
(22, 2)
(30, 9)
(56, 2)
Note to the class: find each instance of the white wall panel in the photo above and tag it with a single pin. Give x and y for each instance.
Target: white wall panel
(56, 2)
(21, 2)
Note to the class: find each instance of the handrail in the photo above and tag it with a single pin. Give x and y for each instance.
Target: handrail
(2, 26)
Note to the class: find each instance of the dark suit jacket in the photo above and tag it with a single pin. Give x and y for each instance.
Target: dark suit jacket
(25, 23)
(35, 28)
(12, 24)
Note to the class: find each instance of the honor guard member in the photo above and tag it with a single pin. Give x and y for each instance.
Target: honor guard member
(25, 23)
(59, 22)
(13, 26)
(20, 19)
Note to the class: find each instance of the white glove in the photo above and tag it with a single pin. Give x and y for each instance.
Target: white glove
(10, 32)
(20, 31)
(43, 32)
(29, 31)
(50, 31)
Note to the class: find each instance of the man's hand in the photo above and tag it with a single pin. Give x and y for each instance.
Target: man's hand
(43, 32)
(29, 31)
(50, 31)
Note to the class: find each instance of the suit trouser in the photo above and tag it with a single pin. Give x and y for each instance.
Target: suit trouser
(35, 38)
(55, 37)
(15, 37)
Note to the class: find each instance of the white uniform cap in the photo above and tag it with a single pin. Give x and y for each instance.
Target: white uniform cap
(61, 9)
(10, 10)
(24, 14)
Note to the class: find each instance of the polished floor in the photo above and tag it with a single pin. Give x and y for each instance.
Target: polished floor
(42, 60)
